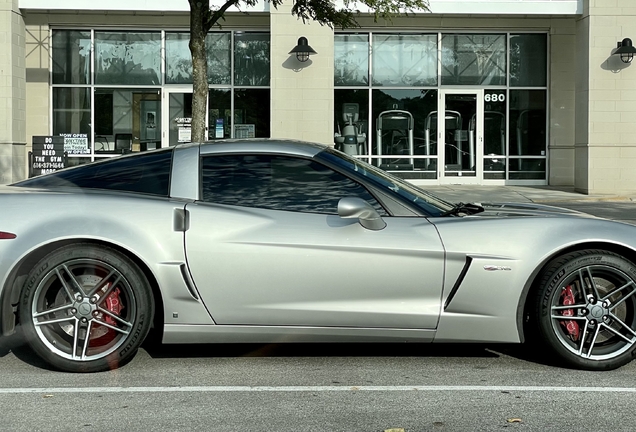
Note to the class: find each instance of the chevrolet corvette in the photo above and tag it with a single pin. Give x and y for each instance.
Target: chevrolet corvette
(265, 240)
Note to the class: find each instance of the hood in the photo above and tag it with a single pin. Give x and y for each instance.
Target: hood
(526, 210)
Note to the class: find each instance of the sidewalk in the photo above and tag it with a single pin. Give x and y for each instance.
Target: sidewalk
(536, 194)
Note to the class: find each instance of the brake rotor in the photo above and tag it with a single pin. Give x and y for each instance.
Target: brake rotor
(99, 334)
(573, 294)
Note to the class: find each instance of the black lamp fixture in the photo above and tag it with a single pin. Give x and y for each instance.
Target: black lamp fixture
(625, 50)
(302, 50)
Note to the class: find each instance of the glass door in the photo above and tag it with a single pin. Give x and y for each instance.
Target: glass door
(178, 109)
(177, 116)
(460, 134)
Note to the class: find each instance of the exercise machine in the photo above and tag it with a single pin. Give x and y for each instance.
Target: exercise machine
(394, 136)
(351, 139)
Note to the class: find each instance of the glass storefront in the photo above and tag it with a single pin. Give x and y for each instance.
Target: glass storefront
(127, 58)
(424, 105)
(114, 93)
(395, 85)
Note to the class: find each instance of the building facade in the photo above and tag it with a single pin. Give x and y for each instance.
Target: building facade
(489, 92)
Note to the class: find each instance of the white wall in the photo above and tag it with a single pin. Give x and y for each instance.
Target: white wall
(480, 7)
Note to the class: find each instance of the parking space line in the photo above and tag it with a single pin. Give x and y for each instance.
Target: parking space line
(251, 389)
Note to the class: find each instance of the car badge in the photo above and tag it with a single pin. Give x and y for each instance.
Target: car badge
(496, 267)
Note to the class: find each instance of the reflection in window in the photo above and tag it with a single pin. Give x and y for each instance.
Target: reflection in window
(278, 183)
(351, 59)
(527, 134)
(218, 51)
(179, 58)
(473, 59)
(251, 113)
(528, 60)
(149, 174)
(127, 58)
(71, 56)
(251, 59)
(527, 122)
(404, 60)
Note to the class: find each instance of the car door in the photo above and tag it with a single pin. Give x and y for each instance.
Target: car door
(265, 246)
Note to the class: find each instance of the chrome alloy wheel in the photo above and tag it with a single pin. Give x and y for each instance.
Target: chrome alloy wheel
(83, 309)
(593, 314)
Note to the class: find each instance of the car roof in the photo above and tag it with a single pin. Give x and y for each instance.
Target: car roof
(262, 145)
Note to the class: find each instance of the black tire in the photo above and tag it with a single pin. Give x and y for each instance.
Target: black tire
(86, 308)
(585, 310)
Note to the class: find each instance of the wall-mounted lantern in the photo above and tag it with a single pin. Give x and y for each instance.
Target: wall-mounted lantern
(302, 50)
(625, 50)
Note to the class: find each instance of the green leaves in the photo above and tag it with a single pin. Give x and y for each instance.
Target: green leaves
(326, 13)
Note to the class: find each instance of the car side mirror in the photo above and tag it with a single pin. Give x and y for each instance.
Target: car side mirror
(357, 208)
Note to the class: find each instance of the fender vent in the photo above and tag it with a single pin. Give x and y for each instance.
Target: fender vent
(458, 282)
(188, 281)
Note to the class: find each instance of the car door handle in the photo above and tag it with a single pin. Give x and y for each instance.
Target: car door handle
(180, 220)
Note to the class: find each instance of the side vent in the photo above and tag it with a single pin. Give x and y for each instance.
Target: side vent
(188, 281)
(458, 282)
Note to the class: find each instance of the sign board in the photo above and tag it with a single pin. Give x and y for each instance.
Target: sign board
(244, 131)
(184, 129)
(218, 130)
(47, 155)
(76, 143)
(185, 134)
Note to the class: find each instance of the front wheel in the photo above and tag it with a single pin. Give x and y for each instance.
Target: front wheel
(586, 309)
(86, 308)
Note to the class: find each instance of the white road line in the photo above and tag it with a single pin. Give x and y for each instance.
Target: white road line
(251, 389)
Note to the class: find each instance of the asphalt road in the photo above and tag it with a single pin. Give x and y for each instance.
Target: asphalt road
(331, 387)
(323, 387)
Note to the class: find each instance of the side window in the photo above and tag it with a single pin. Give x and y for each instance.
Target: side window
(278, 183)
(147, 173)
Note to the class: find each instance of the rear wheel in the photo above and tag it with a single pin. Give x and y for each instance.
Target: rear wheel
(586, 309)
(86, 308)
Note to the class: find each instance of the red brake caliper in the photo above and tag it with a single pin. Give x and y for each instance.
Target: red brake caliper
(113, 304)
(572, 326)
(101, 335)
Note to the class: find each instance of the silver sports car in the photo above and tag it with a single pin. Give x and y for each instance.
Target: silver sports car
(284, 241)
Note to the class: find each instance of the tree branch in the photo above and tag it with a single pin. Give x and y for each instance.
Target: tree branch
(216, 15)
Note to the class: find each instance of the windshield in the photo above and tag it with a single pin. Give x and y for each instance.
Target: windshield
(424, 200)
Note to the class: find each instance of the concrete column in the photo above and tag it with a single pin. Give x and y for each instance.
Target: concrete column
(562, 97)
(12, 93)
(301, 93)
(605, 142)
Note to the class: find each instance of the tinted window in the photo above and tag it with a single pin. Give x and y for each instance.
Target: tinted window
(390, 184)
(144, 173)
(278, 183)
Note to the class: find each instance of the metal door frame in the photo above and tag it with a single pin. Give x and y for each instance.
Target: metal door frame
(165, 112)
(478, 138)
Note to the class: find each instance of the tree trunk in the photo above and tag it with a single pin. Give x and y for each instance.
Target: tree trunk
(199, 12)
